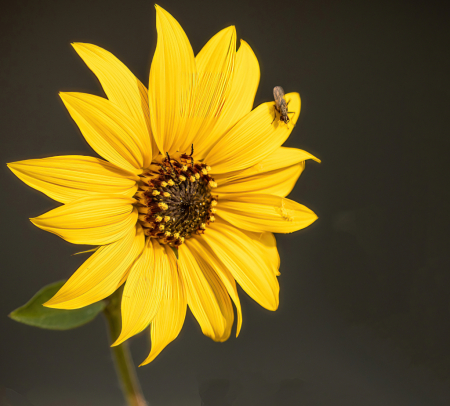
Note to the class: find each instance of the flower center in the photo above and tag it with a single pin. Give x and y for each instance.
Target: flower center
(175, 198)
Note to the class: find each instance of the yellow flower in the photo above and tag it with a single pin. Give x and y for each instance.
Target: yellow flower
(189, 166)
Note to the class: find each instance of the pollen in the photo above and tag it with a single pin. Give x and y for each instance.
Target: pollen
(163, 206)
(285, 212)
(175, 200)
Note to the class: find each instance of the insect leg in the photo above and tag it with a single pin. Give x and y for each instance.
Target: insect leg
(292, 112)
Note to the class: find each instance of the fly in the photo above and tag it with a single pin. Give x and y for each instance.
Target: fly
(281, 105)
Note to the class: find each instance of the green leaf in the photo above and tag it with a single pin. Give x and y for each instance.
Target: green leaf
(34, 314)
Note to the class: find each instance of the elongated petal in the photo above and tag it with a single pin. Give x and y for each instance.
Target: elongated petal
(257, 212)
(167, 324)
(215, 69)
(275, 175)
(279, 183)
(252, 271)
(207, 298)
(101, 274)
(70, 177)
(107, 129)
(122, 88)
(266, 243)
(240, 98)
(142, 295)
(95, 220)
(253, 138)
(172, 83)
(281, 158)
(206, 259)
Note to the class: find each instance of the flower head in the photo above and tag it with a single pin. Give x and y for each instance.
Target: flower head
(188, 168)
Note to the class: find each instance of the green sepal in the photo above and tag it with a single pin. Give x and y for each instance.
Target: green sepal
(34, 314)
(175, 251)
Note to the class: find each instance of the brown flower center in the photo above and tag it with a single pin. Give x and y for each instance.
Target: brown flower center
(175, 199)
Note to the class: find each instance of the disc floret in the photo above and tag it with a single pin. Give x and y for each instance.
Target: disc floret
(174, 198)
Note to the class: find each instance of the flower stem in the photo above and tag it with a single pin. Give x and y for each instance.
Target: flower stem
(123, 362)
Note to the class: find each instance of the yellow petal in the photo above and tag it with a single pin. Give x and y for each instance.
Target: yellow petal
(215, 68)
(276, 174)
(254, 273)
(70, 177)
(107, 129)
(269, 248)
(86, 251)
(206, 259)
(258, 212)
(148, 278)
(279, 183)
(167, 324)
(172, 83)
(95, 220)
(240, 99)
(122, 88)
(207, 298)
(266, 243)
(281, 158)
(253, 138)
(101, 274)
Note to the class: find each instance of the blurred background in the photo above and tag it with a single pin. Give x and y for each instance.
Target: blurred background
(364, 305)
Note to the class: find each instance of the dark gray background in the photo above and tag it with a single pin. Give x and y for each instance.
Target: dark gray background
(364, 309)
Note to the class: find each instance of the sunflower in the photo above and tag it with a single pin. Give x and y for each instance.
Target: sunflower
(192, 185)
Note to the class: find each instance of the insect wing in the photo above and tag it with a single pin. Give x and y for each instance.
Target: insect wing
(278, 95)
